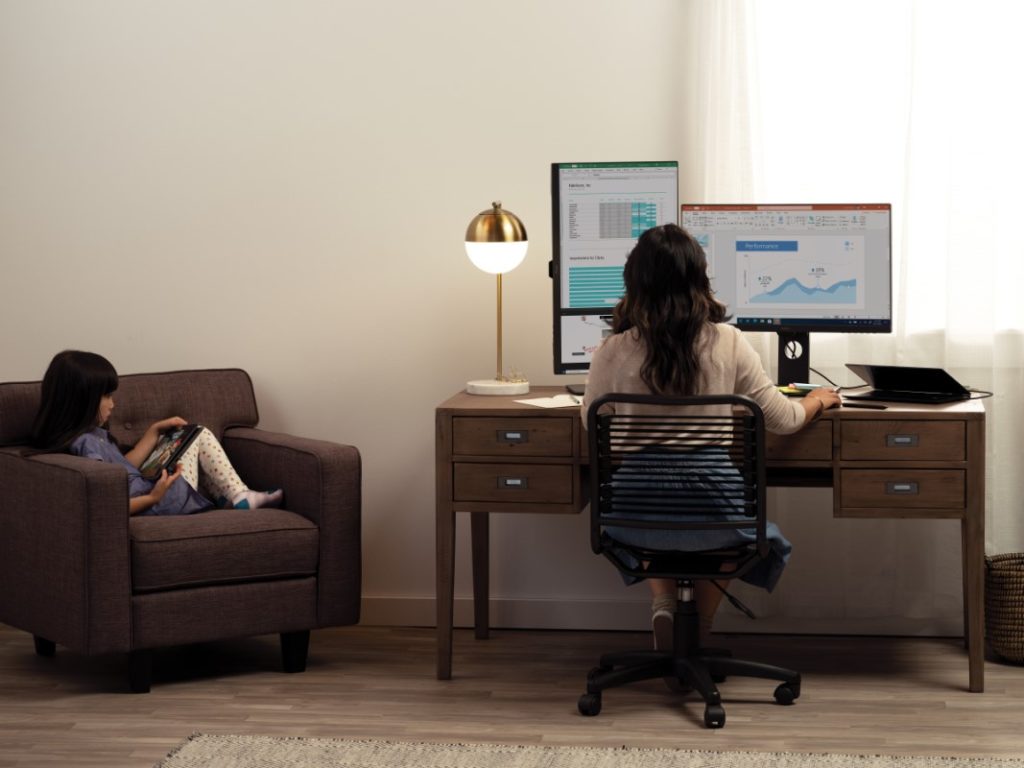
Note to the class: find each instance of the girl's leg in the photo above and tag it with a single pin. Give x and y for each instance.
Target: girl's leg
(220, 481)
(189, 463)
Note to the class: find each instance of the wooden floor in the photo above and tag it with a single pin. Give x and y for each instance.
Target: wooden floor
(860, 695)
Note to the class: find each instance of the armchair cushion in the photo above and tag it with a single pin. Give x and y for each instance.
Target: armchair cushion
(225, 546)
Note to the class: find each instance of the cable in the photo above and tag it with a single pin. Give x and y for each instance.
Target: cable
(838, 388)
(983, 392)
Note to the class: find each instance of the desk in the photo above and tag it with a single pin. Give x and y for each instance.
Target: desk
(496, 455)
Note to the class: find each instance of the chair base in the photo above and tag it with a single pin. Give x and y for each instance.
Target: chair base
(692, 667)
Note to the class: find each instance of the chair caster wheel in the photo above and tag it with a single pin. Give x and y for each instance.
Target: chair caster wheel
(714, 716)
(786, 694)
(589, 704)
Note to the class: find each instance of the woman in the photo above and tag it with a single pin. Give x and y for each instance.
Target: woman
(669, 337)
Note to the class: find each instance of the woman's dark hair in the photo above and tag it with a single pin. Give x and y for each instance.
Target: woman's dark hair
(73, 386)
(669, 302)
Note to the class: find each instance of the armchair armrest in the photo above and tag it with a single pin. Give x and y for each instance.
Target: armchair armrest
(322, 481)
(64, 551)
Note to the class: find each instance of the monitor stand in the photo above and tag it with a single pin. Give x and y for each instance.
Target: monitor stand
(794, 358)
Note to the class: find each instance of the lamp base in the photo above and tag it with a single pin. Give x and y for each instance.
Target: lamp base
(495, 387)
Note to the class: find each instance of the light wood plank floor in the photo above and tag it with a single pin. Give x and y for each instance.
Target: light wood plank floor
(860, 695)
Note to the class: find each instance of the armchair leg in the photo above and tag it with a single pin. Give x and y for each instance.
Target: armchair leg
(44, 647)
(140, 670)
(294, 649)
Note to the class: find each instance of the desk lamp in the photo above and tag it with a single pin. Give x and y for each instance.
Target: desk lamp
(496, 243)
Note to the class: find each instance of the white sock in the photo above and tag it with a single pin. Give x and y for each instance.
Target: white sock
(257, 499)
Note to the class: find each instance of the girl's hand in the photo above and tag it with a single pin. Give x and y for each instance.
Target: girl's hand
(166, 480)
(137, 504)
(164, 424)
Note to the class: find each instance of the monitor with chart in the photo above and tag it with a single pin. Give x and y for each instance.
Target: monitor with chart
(598, 212)
(794, 269)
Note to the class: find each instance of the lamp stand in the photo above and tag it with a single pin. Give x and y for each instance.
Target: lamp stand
(500, 384)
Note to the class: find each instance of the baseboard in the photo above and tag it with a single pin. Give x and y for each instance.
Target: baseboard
(635, 615)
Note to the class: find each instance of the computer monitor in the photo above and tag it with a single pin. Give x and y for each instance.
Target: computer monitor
(794, 269)
(598, 212)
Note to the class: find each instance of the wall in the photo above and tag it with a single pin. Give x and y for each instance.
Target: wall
(285, 188)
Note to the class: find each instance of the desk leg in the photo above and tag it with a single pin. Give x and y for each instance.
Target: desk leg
(445, 589)
(480, 533)
(974, 597)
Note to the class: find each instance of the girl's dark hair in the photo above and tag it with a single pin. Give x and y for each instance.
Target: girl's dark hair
(669, 302)
(72, 388)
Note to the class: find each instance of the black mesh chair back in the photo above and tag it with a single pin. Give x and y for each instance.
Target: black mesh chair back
(691, 464)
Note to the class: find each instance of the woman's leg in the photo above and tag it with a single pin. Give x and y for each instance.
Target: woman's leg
(708, 598)
(664, 594)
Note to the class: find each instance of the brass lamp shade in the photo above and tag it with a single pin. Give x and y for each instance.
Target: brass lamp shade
(495, 226)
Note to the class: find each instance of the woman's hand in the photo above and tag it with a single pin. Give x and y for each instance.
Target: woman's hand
(817, 401)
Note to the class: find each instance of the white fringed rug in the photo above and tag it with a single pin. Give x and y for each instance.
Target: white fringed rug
(205, 751)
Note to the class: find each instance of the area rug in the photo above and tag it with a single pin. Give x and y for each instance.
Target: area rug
(213, 751)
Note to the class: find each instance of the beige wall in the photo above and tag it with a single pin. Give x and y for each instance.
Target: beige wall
(285, 187)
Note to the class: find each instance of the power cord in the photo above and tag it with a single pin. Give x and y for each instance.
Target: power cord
(838, 388)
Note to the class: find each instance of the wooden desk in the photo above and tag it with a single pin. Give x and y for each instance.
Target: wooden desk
(496, 455)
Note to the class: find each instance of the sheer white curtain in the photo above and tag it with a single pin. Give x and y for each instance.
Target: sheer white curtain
(913, 103)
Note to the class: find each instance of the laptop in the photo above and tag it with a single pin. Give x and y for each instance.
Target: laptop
(903, 384)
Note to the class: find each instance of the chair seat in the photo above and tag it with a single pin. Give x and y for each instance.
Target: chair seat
(223, 546)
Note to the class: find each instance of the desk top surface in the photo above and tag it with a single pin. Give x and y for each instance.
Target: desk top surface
(498, 404)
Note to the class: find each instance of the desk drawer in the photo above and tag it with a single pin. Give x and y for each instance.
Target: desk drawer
(535, 483)
(903, 440)
(909, 488)
(811, 444)
(484, 436)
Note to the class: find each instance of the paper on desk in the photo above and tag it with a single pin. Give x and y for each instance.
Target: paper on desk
(558, 401)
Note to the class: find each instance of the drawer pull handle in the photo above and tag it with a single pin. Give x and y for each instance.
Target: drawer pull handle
(901, 441)
(901, 489)
(513, 483)
(513, 435)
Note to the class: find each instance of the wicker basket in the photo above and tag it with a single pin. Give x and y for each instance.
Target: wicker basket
(1004, 605)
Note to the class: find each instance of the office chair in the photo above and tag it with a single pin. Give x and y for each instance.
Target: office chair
(660, 467)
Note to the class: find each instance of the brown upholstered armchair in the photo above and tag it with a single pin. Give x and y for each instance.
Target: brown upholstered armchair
(77, 571)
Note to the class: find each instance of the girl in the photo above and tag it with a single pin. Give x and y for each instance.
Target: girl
(669, 337)
(76, 403)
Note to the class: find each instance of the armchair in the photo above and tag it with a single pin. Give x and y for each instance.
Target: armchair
(77, 571)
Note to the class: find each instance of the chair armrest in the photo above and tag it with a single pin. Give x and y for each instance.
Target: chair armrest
(65, 572)
(322, 481)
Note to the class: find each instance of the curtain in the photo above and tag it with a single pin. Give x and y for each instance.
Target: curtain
(915, 104)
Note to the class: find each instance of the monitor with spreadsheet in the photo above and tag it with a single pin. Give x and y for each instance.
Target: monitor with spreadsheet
(598, 212)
